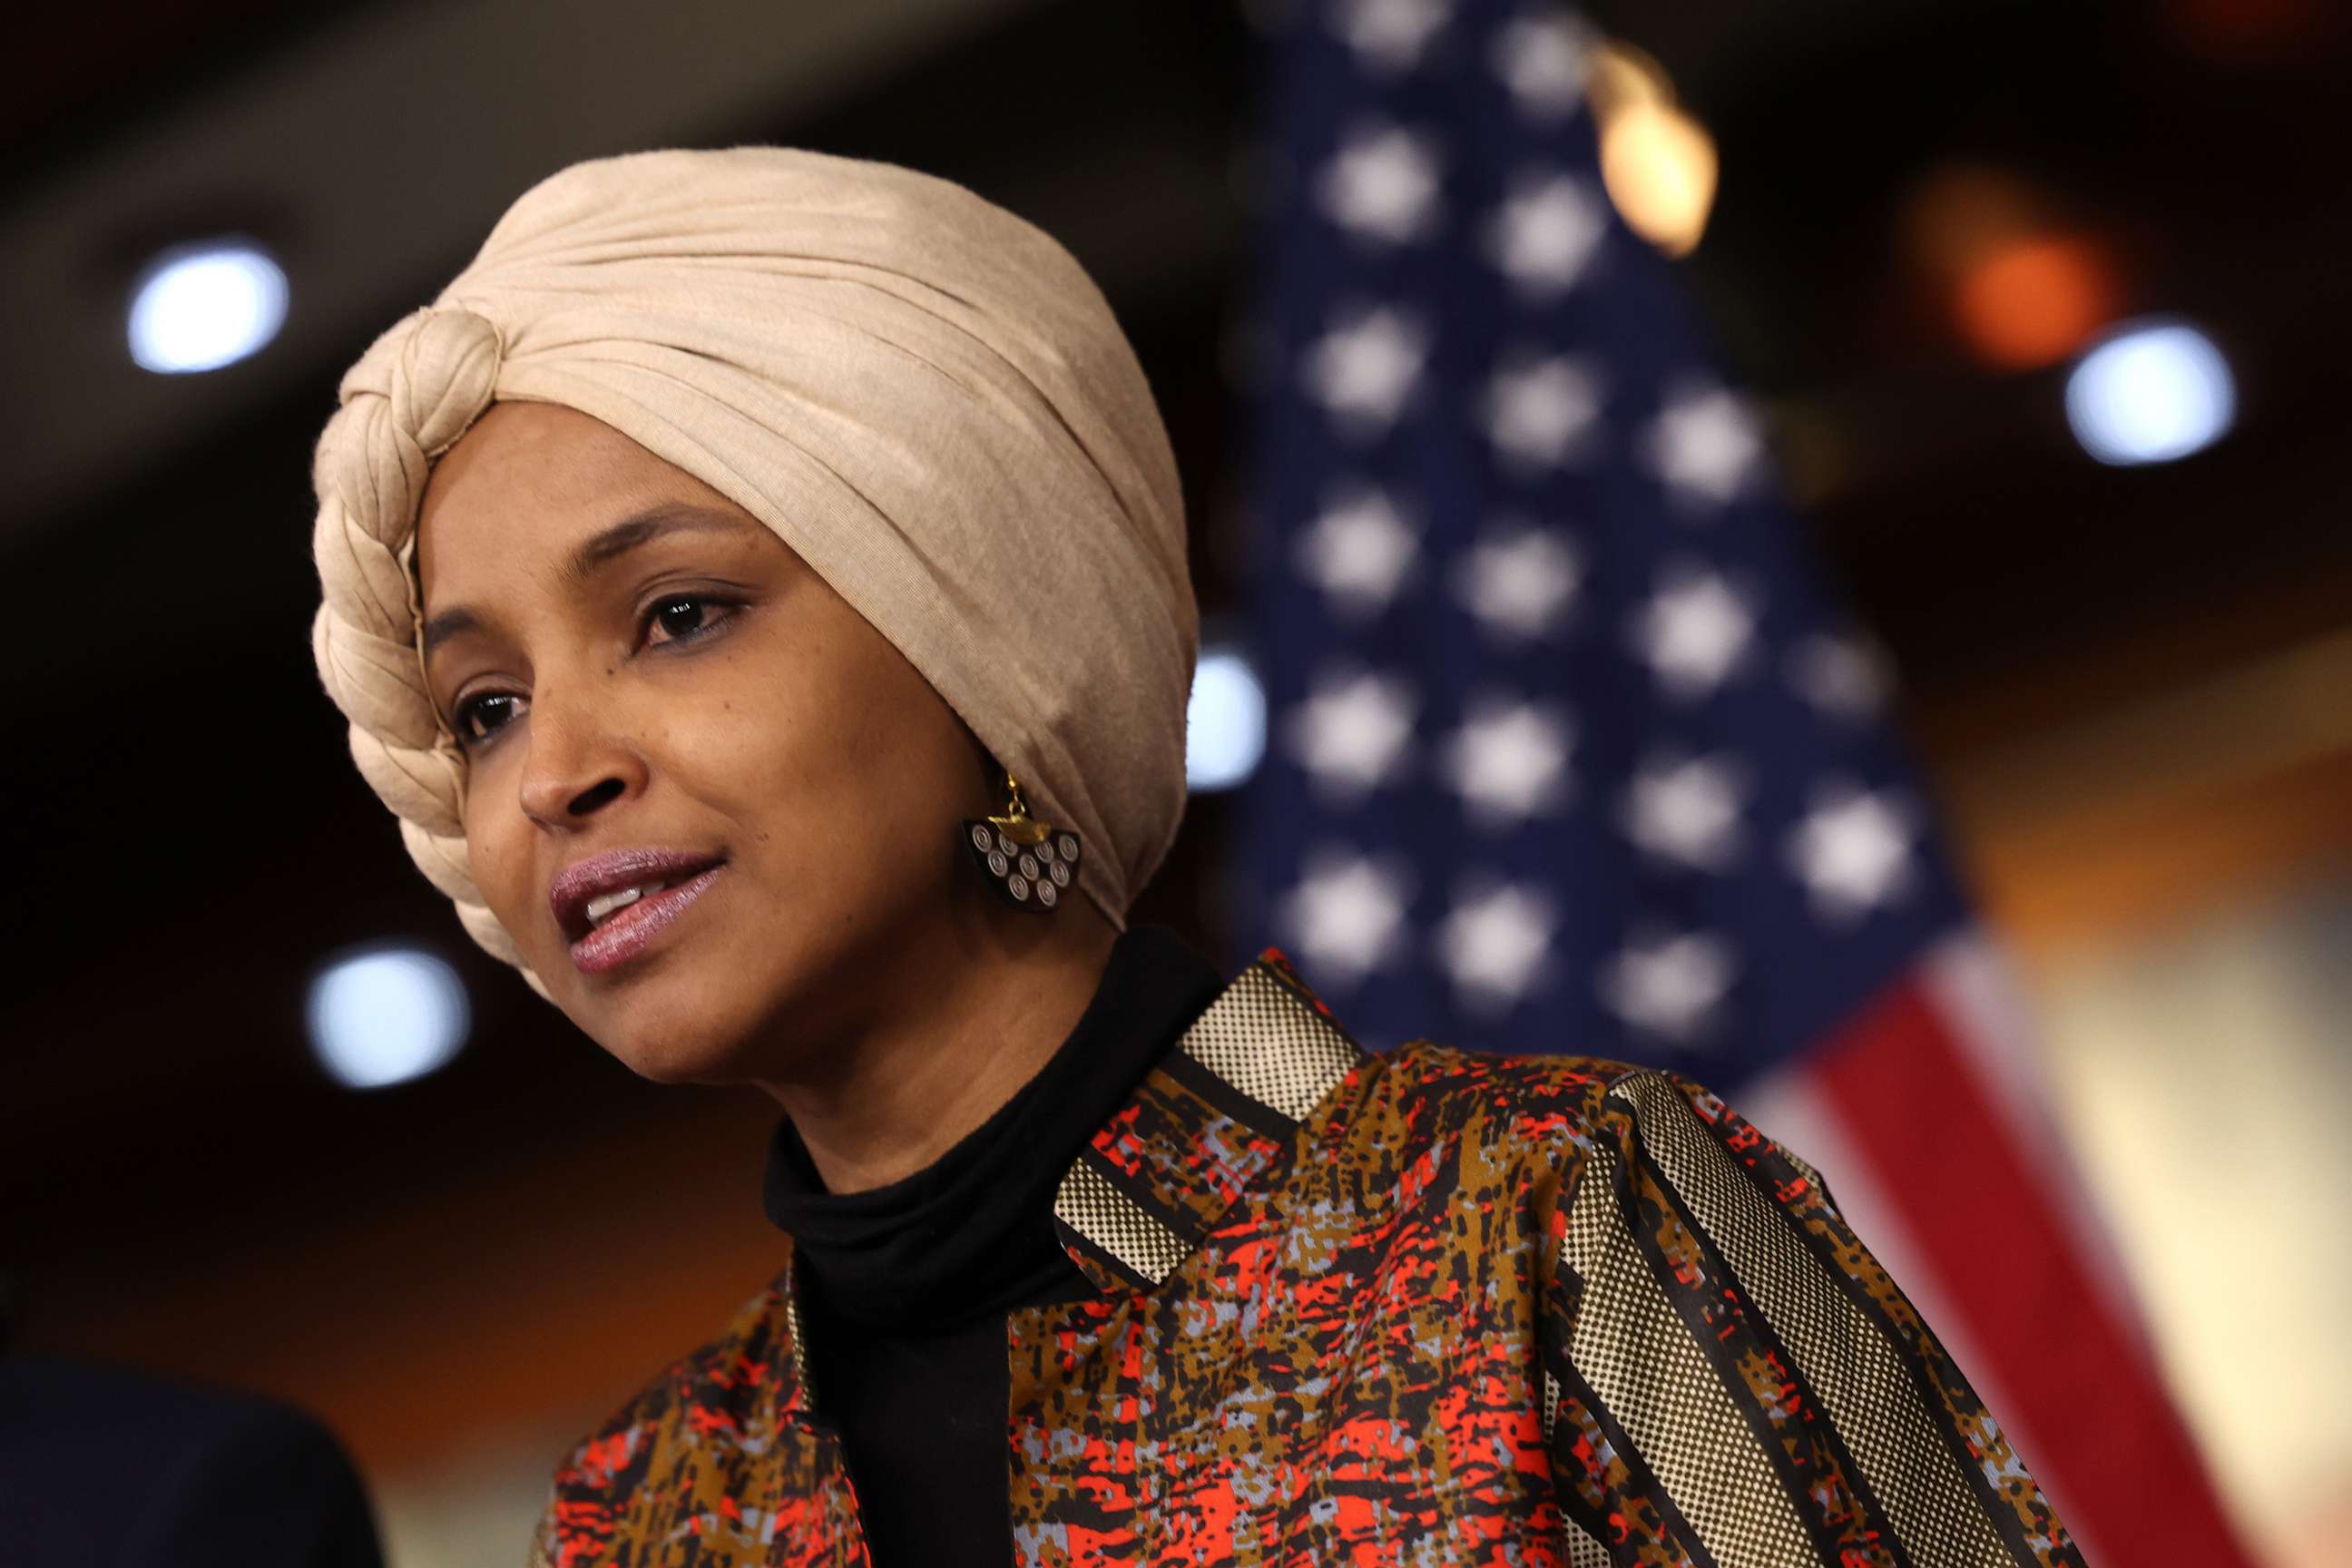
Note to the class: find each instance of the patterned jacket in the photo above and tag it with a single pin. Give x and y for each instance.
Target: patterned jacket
(1422, 1306)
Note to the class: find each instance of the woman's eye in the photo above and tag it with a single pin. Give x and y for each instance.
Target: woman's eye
(480, 718)
(681, 617)
(672, 618)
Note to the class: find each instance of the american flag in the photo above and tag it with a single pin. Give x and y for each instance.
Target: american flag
(1572, 751)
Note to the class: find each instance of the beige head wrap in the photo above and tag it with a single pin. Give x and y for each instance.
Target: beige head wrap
(925, 396)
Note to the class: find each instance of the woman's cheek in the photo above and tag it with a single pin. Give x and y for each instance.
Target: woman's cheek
(733, 748)
(500, 860)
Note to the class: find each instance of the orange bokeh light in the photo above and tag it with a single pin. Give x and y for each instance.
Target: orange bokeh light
(2031, 301)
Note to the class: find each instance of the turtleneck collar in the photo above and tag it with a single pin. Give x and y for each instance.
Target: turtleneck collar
(972, 1233)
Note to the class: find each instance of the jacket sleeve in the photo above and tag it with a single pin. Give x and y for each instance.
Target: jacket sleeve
(1730, 1375)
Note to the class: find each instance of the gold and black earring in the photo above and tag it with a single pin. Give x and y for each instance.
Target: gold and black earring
(1031, 864)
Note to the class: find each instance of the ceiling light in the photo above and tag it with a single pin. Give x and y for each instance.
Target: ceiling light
(1657, 162)
(199, 306)
(2154, 391)
(1225, 725)
(2033, 301)
(385, 1013)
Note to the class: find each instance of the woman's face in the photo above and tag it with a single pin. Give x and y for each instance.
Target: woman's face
(664, 708)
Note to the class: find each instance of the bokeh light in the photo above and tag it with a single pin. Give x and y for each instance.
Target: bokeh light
(199, 307)
(1225, 722)
(2156, 391)
(2033, 301)
(385, 1014)
(2025, 279)
(1658, 164)
(1957, 213)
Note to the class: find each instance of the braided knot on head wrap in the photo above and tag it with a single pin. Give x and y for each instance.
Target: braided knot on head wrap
(923, 395)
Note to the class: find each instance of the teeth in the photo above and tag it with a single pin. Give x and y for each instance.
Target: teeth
(606, 903)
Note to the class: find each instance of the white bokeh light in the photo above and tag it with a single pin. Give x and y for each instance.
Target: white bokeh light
(385, 1014)
(1225, 725)
(2154, 391)
(199, 306)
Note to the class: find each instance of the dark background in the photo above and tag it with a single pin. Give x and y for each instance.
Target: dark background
(180, 1184)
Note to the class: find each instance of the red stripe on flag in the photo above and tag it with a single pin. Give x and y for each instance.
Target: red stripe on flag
(2103, 1436)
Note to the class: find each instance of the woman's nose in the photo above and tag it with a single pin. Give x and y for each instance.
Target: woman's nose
(575, 767)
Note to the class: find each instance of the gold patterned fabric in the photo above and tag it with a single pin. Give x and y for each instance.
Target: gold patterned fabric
(1422, 1307)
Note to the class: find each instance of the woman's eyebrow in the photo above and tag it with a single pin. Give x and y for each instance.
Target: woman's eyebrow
(600, 549)
(639, 527)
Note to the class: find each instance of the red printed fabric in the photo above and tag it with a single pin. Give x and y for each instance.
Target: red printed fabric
(1422, 1307)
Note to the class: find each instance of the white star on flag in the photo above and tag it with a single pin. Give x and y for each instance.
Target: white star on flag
(1346, 913)
(1383, 184)
(1693, 631)
(1704, 444)
(1669, 985)
(1494, 943)
(1852, 849)
(1508, 761)
(1351, 733)
(1541, 60)
(1544, 412)
(1844, 676)
(1363, 371)
(1687, 810)
(1390, 33)
(1543, 629)
(1519, 582)
(1357, 552)
(1547, 231)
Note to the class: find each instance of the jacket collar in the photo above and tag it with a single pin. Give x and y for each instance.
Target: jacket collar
(1206, 1123)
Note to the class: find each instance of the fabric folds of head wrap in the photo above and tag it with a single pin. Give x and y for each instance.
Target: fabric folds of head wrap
(924, 395)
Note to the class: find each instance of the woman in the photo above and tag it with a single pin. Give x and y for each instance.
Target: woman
(757, 582)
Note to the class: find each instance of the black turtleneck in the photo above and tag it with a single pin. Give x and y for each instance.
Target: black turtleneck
(905, 1288)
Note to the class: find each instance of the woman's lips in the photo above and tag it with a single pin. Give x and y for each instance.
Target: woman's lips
(627, 932)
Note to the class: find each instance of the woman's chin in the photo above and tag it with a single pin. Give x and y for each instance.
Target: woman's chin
(665, 1036)
(676, 1059)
